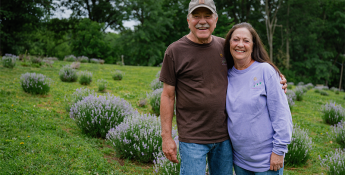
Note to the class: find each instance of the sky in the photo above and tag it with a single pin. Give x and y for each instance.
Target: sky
(67, 13)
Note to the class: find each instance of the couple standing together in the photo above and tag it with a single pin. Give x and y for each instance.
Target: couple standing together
(230, 103)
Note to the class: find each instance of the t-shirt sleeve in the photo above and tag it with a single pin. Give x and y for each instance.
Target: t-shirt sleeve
(168, 74)
(279, 112)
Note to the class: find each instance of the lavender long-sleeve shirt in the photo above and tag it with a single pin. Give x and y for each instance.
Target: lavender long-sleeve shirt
(259, 121)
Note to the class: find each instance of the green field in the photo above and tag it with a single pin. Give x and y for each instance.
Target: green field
(37, 136)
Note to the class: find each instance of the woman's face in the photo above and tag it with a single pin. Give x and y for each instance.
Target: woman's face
(241, 44)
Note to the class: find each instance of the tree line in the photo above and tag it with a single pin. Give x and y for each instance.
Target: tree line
(304, 38)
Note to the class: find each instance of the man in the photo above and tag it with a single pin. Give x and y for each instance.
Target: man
(195, 69)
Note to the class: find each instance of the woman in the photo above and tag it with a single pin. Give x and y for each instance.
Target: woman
(259, 118)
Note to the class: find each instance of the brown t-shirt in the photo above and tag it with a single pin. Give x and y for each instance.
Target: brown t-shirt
(199, 74)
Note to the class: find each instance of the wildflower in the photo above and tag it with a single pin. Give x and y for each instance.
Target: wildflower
(12, 105)
(28, 136)
(22, 143)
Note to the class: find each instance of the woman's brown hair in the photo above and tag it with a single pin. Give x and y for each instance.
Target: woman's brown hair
(259, 53)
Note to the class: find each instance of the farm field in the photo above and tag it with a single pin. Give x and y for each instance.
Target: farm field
(37, 136)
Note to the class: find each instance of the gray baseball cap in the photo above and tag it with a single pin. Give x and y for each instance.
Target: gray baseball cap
(194, 4)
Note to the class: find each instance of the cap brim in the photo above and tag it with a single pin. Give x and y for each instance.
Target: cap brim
(198, 6)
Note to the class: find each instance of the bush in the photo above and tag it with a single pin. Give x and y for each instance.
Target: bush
(156, 84)
(138, 137)
(309, 86)
(78, 95)
(333, 113)
(142, 102)
(337, 92)
(333, 89)
(299, 93)
(102, 85)
(75, 65)
(291, 96)
(35, 83)
(96, 115)
(300, 84)
(85, 77)
(48, 62)
(117, 75)
(335, 162)
(101, 61)
(299, 148)
(317, 91)
(155, 100)
(35, 60)
(9, 60)
(324, 93)
(94, 60)
(83, 59)
(339, 133)
(68, 74)
(70, 58)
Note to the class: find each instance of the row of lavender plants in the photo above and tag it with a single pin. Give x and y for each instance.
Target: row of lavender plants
(83, 59)
(133, 135)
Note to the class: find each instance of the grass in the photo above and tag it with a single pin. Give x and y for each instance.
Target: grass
(38, 137)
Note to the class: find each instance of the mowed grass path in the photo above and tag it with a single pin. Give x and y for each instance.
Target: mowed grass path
(38, 137)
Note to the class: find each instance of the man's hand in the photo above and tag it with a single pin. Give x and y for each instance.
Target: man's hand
(277, 162)
(170, 149)
(284, 81)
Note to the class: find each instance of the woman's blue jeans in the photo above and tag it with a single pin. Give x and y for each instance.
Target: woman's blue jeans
(241, 171)
(193, 158)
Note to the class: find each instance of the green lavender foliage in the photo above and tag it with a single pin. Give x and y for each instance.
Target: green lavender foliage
(332, 113)
(35, 83)
(102, 85)
(339, 133)
(138, 137)
(117, 75)
(68, 74)
(299, 148)
(155, 100)
(334, 162)
(85, 77)
(9, 60)
(324, 93)
(70, 58)
(156, 84)
(96, 115)
(299, 91)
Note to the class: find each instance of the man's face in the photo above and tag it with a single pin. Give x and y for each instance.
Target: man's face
(202, 22)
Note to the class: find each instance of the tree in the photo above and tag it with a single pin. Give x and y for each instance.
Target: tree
(271, 10)
(110, 12)
(88, 40)
(19, 18)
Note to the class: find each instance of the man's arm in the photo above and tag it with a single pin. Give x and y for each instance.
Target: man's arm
(167, 112)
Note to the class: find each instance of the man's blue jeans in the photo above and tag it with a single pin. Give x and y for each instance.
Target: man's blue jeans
(193, 158)
(241, 171)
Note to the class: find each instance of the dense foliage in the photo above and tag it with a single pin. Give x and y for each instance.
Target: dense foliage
(68, 74)
(35, 83)
(95, 115)
(333, 113)
(9, 60)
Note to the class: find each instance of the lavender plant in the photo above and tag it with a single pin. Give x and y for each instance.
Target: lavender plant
(142, 102)
(309, 86)
(291, 96)
(155, 100)
(85, 77)
(317, 91)
(96, 115)
(333, 113)
(138, 137)
(35, 83)
(290, 83)
(299, 148)
(299, 93)
(101, 61)
(163, 166)
(78, 95)
(75, 65)
(300, 83)
(334, 162)
(70, 58)
(158, 74)
(83, 59)
(94, 60)
(68, 74)
(117, 75)
(9, 60)
(339, 133)
(324, 93)
(102, 85)
(156, 84)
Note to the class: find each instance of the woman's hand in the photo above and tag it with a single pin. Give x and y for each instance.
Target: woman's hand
(277, 161)
(283, 81)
